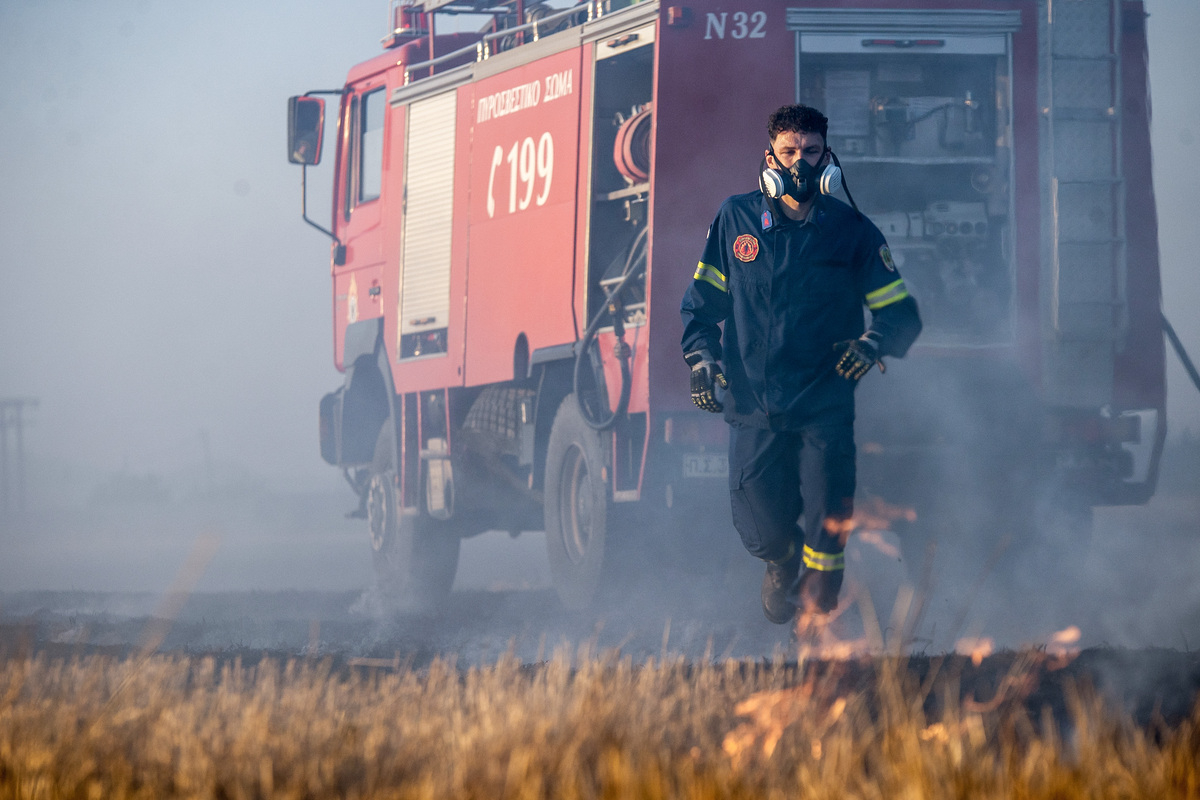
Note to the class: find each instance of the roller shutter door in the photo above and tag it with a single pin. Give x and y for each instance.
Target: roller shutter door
(429, 200)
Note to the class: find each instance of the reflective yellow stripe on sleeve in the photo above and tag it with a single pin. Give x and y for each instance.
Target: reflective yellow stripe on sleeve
(711, 275)
(889, 294)
(824, 562)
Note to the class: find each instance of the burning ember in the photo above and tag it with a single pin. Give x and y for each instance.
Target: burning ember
(977, 648)
(1063, 649)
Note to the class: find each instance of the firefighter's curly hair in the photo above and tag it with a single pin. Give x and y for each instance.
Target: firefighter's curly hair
(797, 118)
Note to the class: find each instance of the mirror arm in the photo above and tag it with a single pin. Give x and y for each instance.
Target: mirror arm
(339, 255)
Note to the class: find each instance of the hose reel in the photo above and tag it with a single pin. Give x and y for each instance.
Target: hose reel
(593, 405)
(631, 149)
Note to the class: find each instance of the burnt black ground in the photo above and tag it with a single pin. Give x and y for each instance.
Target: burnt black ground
(1152, 685)
(291, 575)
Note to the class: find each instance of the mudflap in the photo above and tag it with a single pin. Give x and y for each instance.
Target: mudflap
(329, 424)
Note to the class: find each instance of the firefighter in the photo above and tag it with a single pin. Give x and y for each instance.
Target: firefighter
(787, 270)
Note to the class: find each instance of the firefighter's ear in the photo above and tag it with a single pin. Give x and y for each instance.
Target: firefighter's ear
(770, 159)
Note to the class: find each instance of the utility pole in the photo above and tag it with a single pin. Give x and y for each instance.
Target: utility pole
(12, 418)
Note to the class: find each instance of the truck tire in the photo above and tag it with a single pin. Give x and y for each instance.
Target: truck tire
(577, 509)
(414, 556)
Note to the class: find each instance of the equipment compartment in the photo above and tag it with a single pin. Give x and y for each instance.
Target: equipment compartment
(921, 129)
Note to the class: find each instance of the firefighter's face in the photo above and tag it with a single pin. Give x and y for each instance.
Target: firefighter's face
(791, 146)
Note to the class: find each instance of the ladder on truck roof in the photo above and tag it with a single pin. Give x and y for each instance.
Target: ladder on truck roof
(1084, 187)
(514, 23)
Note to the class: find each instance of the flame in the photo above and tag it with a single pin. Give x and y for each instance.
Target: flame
(820, 643)
(877, 515)
(1025, 674)
(771, 713)
(971, 726)
(837, 709)
(876, 540)
(1061, 650)
(817, 634)
(937, 732)
(977, 648)
(1069, 635)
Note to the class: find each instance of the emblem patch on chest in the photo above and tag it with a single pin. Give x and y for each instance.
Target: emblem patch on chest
(886, 255)
(745, 247)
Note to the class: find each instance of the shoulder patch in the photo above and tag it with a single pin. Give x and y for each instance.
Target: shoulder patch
(886, 256)
(745, 247)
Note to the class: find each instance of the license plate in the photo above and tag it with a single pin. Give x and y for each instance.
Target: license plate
(705, 465)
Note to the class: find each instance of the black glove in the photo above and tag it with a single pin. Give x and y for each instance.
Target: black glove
(861, 354)
(706, 375)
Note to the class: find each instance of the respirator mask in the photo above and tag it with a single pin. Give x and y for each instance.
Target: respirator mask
(801, 180)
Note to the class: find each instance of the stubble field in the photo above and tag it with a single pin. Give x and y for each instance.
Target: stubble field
(592, 725)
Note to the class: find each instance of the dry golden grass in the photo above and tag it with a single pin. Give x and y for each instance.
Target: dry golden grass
(573, 727)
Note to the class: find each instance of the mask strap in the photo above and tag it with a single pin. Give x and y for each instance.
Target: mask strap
(845, 185)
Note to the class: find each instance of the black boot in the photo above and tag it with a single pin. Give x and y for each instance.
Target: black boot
(817, 591)
(778, 590)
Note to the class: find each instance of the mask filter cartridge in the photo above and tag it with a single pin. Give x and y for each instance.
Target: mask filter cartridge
(831, 179)
(772, 183)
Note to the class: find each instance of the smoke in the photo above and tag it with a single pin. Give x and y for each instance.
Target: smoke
(1175, 139)
(158, 282)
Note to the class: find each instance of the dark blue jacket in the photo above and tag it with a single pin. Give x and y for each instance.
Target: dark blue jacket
(787, 291)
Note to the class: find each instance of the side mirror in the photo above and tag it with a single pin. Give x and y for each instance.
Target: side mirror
(306, 124)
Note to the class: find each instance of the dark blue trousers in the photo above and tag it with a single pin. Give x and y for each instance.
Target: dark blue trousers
(792, 492)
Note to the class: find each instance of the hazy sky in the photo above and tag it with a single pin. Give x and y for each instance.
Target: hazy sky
(157, 280)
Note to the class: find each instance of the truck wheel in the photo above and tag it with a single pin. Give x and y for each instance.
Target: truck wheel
(576, 508)
(415, 557)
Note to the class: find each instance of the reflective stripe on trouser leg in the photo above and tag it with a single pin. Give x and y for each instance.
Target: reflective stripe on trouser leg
(824, 562)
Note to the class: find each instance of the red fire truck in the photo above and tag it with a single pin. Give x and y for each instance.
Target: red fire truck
(517, 211)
